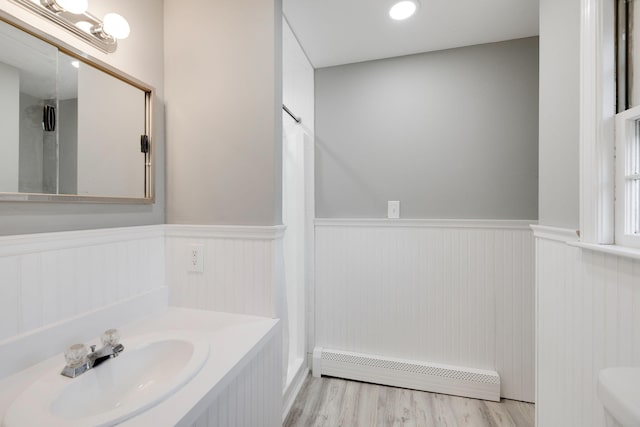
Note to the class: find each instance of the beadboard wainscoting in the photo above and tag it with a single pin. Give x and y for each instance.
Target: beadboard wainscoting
(60, 288)
(242, 272)
(588, 318)
(453, 292)
(253, 397)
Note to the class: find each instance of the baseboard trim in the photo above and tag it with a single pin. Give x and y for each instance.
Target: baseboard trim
(292, 391)
(437, 378)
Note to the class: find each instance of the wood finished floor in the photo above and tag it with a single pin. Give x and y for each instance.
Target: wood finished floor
(334, 402)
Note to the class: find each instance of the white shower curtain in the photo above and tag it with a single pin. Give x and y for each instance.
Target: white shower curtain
(295, 217)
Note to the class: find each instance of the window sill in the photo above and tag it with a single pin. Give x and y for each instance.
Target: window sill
(622, 251)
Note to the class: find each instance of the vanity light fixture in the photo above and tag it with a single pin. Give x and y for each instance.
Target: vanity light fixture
(116, 26)
(403, 9)
(72, 6)
(72, 15)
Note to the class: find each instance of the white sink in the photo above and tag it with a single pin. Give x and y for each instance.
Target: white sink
(619, 392)
(150, 369)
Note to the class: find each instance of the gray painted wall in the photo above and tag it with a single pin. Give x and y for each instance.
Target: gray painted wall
(224, 121)
(141, 56)
(451, 134)
(560, 113)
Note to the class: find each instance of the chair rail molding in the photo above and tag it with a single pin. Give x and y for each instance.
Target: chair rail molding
(246, 232)
(564, 235)
(426, 223)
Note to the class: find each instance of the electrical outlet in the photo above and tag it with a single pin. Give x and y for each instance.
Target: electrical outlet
(195, 262)
(393, 209)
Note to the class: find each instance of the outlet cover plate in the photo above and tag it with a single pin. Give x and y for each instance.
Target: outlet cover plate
(393, 209)
(195, 258)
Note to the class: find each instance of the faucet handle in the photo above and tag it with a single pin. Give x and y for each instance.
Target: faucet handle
(110, 337)
(75, 355)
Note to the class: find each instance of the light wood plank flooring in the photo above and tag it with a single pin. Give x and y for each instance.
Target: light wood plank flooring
(334, 402)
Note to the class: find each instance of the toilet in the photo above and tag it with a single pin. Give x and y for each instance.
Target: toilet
(619, 392)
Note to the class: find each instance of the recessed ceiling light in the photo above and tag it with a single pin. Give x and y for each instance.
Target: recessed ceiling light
(403, 10)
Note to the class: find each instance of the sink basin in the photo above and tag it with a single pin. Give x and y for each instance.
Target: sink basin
(619, 392)
(149, 370)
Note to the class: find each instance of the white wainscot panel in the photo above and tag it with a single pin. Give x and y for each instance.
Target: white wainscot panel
(242, 268)
(456, 292)
(253, 397)
(51, 277)
(588, 306)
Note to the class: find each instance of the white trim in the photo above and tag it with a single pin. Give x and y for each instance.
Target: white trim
(291, 392)
(625, 136)
(24, 350)
(621, 251)
(536, 330)
(34, 243)
(316, 362)
(40, 242)
(597, 110)
(555, 234)
(244, 232)
(425, 223)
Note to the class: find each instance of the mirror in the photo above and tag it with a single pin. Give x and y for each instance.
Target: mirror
(70, 129)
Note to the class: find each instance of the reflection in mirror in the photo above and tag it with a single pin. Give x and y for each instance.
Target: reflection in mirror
(67, 127)
(111, 119)
(68, 124)
(28, 153)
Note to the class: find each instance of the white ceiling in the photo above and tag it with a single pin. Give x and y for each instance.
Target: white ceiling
(334, 32)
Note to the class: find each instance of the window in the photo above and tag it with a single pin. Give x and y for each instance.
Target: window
(628, 63)
(628, 177)
(628, 124)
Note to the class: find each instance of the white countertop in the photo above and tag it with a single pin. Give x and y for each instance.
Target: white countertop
(234, 340)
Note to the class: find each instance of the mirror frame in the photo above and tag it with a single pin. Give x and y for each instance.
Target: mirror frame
(150, 94)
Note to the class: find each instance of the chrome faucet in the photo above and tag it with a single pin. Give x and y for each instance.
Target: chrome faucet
(79, 360)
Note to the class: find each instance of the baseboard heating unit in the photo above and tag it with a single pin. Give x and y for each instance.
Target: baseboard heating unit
(437, 378)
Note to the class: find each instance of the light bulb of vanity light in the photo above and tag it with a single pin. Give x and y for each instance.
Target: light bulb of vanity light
(75, 64)
(403, 10)
(116, 26)
(85, 26)
(74, 6)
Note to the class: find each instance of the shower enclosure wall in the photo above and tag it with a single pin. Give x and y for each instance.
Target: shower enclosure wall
(298, 210)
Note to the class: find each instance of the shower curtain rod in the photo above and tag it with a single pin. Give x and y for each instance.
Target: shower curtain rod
(297, 119)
